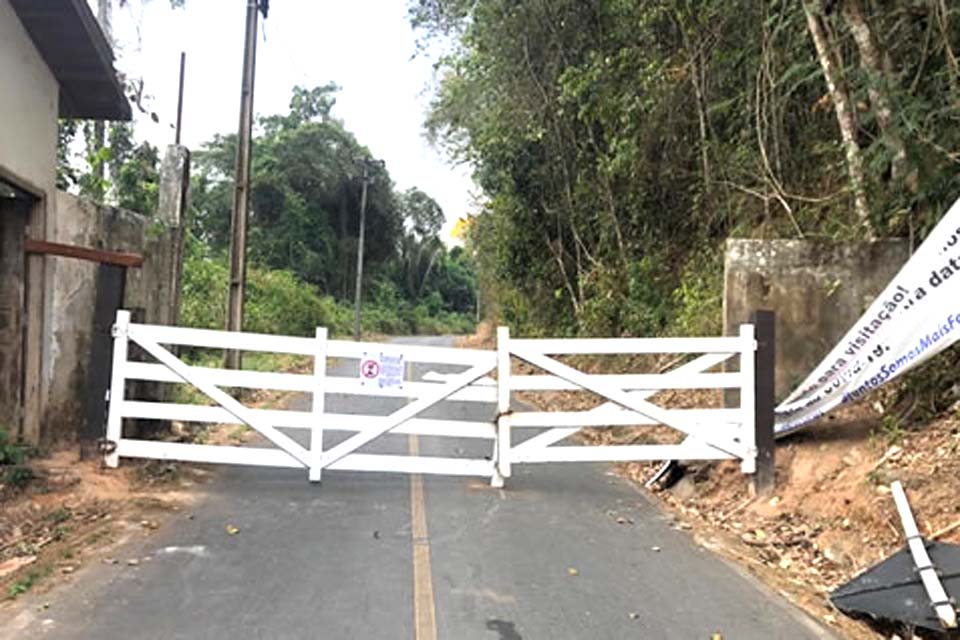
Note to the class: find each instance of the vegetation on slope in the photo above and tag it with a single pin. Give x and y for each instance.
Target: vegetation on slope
(620, 142)
(304, 222)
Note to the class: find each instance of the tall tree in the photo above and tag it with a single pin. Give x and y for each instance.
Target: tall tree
(619, 142)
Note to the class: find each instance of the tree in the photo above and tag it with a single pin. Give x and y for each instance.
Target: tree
(843, 106)
(619, 142)
(305, 207)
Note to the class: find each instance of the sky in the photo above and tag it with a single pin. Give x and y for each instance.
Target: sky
(365, 46)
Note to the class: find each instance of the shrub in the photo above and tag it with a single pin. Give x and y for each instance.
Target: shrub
(698, 299)
(278, 302)
(13, 455)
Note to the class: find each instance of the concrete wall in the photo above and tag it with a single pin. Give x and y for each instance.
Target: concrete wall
(817, 288)
(29, 97)
(73, 286)
(28, 109)
(13, 221)
(151, 292)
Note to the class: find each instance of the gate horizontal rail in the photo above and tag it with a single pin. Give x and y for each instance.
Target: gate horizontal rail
(710, 433)
(269, 422)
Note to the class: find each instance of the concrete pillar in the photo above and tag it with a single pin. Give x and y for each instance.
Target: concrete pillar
(163, 266)
(37, 336)
(166, 247)
(818, 289)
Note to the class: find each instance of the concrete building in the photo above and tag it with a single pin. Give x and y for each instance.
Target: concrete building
(54, 62)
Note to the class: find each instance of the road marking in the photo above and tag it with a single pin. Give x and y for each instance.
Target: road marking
(424, 607)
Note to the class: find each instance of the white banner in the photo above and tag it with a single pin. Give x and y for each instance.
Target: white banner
(916, 317)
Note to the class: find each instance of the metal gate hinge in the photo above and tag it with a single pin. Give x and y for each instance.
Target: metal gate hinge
(106, 447)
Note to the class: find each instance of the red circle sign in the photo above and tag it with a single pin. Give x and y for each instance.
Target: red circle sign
(370, 368)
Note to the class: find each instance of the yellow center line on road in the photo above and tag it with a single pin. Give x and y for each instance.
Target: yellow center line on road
(424, 606)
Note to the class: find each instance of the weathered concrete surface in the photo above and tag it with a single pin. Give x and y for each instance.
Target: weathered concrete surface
(152, 293)
(818, 289)
(167, 245)
(73, 285)
(28, 109)
(12, 231)
(28, 151)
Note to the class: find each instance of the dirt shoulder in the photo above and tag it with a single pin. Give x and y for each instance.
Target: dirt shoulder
(832, 515)
(75, 513)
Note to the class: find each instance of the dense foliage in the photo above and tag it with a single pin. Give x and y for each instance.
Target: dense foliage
(620, 142)
(302, 234)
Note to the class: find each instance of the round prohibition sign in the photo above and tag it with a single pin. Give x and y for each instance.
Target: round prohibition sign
(370, 368)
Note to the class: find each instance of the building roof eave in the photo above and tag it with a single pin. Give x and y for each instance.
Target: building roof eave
(74, 47)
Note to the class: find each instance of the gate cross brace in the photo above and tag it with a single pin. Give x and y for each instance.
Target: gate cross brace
(557, 434)
(619, 396)
(235, 408)
(398, 417)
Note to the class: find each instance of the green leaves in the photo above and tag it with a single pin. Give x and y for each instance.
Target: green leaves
(618, 136)
(303, 228)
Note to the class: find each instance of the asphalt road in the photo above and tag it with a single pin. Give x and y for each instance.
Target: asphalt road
(565, 551)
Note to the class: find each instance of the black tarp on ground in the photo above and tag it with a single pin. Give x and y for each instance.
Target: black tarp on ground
(892, 590)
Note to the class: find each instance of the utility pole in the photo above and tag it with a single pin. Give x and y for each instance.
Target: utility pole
(104, 17)
(183, 64)
(367, 179)
(241, 193)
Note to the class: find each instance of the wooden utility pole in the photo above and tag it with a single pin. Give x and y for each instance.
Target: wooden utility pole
(104, 11)
(367, 178)
(241, 193)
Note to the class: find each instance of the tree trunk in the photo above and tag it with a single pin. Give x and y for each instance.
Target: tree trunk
(558, 256)
(846, 119)
(697, 67)
(879, 79)
(953, 68)
(698, 80)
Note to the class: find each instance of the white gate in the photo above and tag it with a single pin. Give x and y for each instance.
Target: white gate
(268, 422)
(711, 433)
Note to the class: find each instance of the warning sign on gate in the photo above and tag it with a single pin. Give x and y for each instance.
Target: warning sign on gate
(382, 369)
(370, 369)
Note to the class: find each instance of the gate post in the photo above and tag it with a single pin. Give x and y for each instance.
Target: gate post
(111, 279)
(502, 458)
(316, 429)
(764, 322)
(118, 380)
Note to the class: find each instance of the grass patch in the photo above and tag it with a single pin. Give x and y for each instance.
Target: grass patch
(238, 433)
(61, 515)
(96, 537)
(158, 472)
(28, 582)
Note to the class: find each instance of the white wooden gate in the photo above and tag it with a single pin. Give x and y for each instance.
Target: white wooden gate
(711, 433)
(288, 452)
